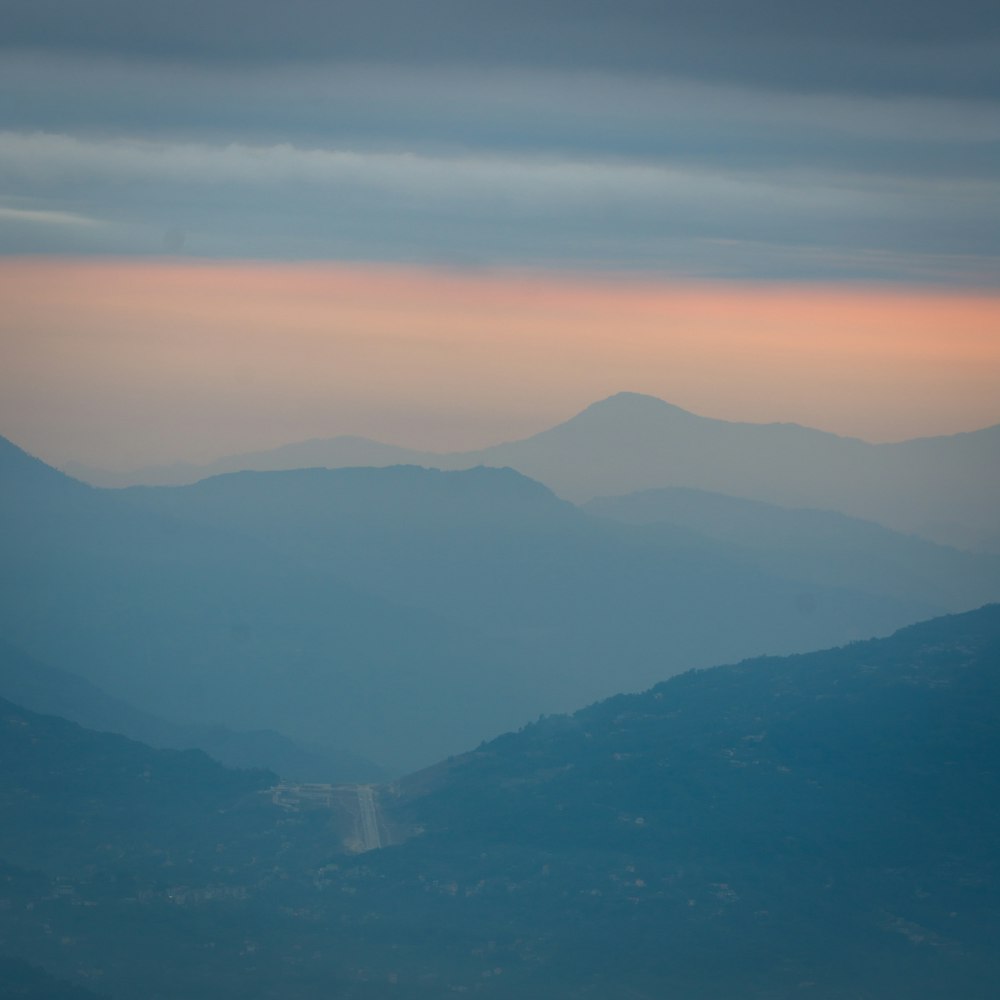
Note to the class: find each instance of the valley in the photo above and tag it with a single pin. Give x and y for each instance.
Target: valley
(499, 501)
(749, 811)
(392, 661)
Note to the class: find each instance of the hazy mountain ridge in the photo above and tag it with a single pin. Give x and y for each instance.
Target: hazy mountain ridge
(828, 819)
(32, 474)
(402, 613)
(496, 551)
(946, 488)
(205, 626)
(337, 452)
(629, 443)
(49, 690)
(819, 546)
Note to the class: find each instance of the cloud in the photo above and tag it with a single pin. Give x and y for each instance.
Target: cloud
(852, 46)
(150, 357)
(239, 199)
(480, 108)
(533, 183)
(256, 138)
(44, 217)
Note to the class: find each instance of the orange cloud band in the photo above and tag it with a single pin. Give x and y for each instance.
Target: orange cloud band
(116, 361)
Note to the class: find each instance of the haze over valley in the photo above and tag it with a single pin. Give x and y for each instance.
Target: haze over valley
(761, 812)
(499, 500)
(401, 654)
(400, 614)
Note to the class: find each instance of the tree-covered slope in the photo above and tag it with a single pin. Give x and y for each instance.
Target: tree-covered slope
(829, 819)
(822, 825)
(69, 795)
(20, 980)
(135, 872)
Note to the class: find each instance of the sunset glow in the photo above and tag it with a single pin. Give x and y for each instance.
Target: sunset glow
(108, 360)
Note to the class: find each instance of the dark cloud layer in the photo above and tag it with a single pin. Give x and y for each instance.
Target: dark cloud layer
(774, 139)
(878, 45)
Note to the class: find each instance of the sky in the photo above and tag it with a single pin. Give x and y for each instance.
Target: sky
(775, 166)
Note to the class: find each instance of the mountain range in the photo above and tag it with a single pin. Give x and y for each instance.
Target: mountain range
(944, 488)
(400, 614)
(821, 825)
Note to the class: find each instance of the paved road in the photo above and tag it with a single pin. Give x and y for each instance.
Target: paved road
(370, 837)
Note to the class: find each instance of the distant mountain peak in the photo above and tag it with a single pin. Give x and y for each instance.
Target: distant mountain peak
(635, 403)
(628, 410)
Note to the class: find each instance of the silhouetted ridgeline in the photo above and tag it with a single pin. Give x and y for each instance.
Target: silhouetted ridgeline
(823, 825)
(945, 488)
(402, 614)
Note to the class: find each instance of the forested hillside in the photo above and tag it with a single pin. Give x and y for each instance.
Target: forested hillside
(824, 824)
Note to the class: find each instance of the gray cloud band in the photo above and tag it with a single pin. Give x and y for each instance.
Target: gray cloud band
(282, 200)
(858, 45)
(771, 139)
